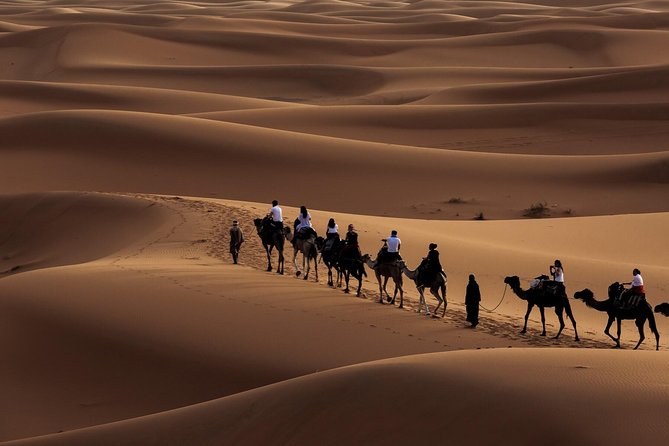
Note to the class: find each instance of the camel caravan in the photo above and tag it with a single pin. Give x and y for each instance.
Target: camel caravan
(343, 260)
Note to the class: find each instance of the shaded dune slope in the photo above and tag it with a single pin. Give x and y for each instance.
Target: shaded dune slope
(460, 396)
(45, 230)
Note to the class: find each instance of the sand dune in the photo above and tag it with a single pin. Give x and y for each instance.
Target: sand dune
(26, 97)
(72, 140)
(122, 320)
(161, 311)
(45, 230)
(477, 385)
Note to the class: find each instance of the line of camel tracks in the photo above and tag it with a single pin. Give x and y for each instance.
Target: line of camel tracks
(344, 263)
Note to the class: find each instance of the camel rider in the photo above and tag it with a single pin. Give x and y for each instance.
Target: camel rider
(332, 230)
(430, 266)
(276, 214)
(390, 251)
(352, 248)
(303, 225)
(331, 235)
(636, 284)
(557, 272)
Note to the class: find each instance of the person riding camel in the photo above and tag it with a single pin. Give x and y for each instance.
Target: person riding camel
(331, 235)
(332, 230)
(557, 273)
(390, 251)
(430, 266)
(352, 248)
(625, 296)
(276, 214)
(636, 284)
(303, 225)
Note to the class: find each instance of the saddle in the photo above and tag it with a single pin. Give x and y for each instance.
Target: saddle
(623, 298)
(330, 244)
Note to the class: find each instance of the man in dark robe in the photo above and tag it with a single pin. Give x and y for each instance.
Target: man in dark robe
(472, 299)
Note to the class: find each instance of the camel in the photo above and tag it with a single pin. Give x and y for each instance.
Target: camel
(307, 246)
(640, 313)
(270, 237)
(543, 299)
(330, 257)
(388, 271)
(351, 266)
(439, 283)
(663, 309)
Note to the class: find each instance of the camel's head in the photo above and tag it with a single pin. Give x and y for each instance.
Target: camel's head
(663, 308)
(584, 294)
(512, 281)
(615, 289)
(320, 243)
(366, 257)
(258, 222)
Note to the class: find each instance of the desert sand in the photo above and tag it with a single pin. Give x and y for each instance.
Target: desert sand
(132, 133)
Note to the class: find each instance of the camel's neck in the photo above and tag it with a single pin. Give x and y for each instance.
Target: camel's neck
(518, 291)
(410, 274)
(599, 305)
(370, 263)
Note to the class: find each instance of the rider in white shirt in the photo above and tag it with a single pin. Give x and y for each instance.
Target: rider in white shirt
(304, 218)
(277, 214)
(557, 272)
(332, 229)
(390, 251)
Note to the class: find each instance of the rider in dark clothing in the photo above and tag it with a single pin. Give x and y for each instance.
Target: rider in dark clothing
(352, 249)
(430, 266)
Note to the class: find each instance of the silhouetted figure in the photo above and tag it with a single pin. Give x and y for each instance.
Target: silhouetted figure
(236, 240)
(430, 267)
(640, 312)
(543, 298)
(472, 299)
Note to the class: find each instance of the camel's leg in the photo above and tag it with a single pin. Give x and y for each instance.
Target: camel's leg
(268, 251)
(279, 268)
(527, 315)
(608, 326)
(306, 266)
(297, 270)
(385, 283)
(392, 301)
(570, 315)
(401, 290)
(558, 312)
(435, 292)
(381, 287)
(543, 321)
(640, 322)
(346, 277)
(619, 328)
(443, 293)
(653, 328)
(423, 301)
(316, 267)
